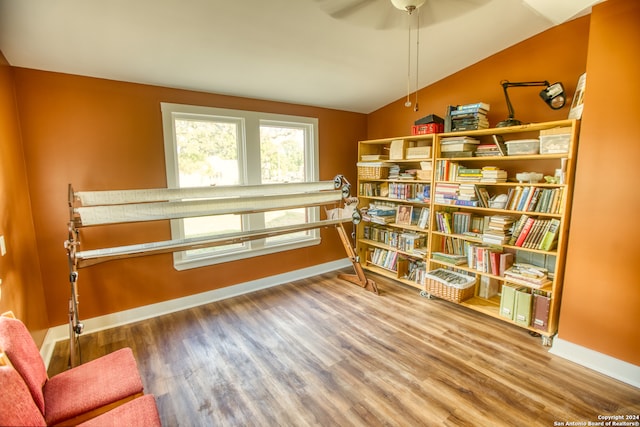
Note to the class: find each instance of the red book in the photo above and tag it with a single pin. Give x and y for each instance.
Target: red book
(525, 231)
(495, 262)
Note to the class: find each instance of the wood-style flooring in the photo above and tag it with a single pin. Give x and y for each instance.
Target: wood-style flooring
(323, 352)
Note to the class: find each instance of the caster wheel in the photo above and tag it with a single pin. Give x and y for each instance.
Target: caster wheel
(426, 294)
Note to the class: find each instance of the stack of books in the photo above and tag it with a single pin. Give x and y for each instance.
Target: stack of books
(492, 174)
(458, 146)
(446, 193)
(467, 195)
(499, 230)
(468, 174)
(468, 117)
(527, 275)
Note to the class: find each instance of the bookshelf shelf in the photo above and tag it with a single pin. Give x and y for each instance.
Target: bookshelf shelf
(544, 205)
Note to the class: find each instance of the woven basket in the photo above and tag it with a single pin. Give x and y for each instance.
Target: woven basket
(456, 292)
(373, 172)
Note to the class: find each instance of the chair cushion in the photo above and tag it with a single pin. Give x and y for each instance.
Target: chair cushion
(89, 386)
(139, 412)
(17, 343)
(17, 407)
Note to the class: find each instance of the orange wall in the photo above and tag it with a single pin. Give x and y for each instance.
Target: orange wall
(602, 282)
(21, 288)
(530, 60)
(100, 134)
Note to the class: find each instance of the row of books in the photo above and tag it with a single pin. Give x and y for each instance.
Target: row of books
(418, 192)
(384, 258)
(414, 192)
(487, 259)
(535, 199)
(450, 193)
(416, 271)
(404, 241)
(447, 170)
(453, 246)
(535, 233)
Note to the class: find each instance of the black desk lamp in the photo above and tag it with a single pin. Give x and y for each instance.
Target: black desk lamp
(553, 95)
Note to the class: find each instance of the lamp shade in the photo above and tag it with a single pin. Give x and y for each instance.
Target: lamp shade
(407, 4)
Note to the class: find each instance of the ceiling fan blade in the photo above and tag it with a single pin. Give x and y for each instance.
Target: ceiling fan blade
(381, 14)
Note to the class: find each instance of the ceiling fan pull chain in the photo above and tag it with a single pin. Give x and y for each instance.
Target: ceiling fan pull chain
(408, 101)
(415, 108)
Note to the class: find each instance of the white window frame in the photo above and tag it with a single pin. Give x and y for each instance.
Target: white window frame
(250, 173)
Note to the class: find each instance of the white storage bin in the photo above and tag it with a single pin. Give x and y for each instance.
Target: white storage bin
(522, 146)
(552, 144)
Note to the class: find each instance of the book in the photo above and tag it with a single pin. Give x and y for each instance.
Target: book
(515, 197)
(534, 199)
(483, 196)
(540, 315)
(550, 237)
(522, 315)
(423, 219)
(526, 228)
(474, 106)
(505, 262)
(517, 228)
(458, 146)
(500, 145)
(507, 301)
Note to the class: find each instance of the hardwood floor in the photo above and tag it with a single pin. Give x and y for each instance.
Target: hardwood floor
(323, 352)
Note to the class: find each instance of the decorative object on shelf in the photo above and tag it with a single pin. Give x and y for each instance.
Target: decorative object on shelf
(553, 95)
(530, 177)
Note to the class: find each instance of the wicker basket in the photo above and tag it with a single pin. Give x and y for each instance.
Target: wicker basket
(373, 172)
(453, 286)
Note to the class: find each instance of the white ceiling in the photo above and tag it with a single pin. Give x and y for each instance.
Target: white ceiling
(283, 50)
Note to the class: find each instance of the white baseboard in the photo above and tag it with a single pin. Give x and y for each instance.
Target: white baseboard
(607, 365)
(61, 332)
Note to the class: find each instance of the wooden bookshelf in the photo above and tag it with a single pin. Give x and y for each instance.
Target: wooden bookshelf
(437, 240)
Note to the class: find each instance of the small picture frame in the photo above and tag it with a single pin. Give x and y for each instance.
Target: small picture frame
(403, 217)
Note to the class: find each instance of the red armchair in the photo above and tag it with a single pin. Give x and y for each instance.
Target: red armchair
(78, 394)
(18, 408)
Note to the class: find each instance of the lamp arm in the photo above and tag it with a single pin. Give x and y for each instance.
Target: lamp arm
(507, 84)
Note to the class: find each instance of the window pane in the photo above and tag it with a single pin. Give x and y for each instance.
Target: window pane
(282, 158)
(207, 152)
(208, 155)
(282, 154)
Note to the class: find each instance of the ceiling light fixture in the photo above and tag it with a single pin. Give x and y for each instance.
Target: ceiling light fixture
(410, 6)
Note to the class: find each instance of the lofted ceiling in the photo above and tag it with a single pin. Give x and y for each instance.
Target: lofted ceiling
(342, 54)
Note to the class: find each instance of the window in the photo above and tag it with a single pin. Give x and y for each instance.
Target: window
(212, 146)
